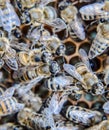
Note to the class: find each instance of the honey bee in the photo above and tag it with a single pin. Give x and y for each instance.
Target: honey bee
(74, 24)
(101, 42)
(25, 74)
(41, 34)
(8, 17)
(81, 115)
(22, 4)
(104, 125)
(36, 121)
(7, 54)
(11, 126)
(8, 104)
(93, 11)
(62, 124)
(58, 83)
(82, 72)
(54, 45)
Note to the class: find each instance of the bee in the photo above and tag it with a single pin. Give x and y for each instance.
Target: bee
(11, 126)
(104, 125)
(101, 41)
(27, 74)
(81, 115)
(58, 83)
(34, 120)
(22, 4)
(43, 14)
(7, 54)
(82, 72)
(54, 45)
(93, 11)
(62, 124)
(23, 93)
(8, 17)
(74, 24)
(41, 34)
(8, 104)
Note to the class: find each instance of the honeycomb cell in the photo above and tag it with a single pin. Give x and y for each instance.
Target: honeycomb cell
(75, 60)
(85, 46)
(88, 97)
(95, 64)
(97, 106)
(70, 48)
(83, 104)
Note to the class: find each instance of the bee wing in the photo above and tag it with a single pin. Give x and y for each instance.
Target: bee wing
(70, 69)
(13, 14)
(106, 78)
(7, 94)
(12, 63)
(28, 86)
(19, 106)
(45, 2)
(84, 58)
(58, 24)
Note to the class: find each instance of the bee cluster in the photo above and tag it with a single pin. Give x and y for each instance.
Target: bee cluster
(54, 64)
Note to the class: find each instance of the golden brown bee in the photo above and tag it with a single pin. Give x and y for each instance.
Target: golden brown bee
(101, 41)
(81, 115)
(54, 45)
(82, 72)
(104, 125)
(7, 54)
(69, 14)
(34, 120)
(25, 74)
(8, 104)
(93, 11)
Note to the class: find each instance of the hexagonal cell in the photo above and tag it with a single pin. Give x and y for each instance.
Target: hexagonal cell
(95, 64)
(88, 97)
(70, 48)
(60, 60)
(97, 105)
(74, 60)
(85, 46)
(83, 104)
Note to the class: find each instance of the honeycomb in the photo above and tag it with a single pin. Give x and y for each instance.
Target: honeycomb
(72, 57)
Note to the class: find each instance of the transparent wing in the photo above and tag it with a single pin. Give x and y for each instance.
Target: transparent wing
(28, 86)
(70, 69)
(45, 2)
(7, 94)
(1, 63)
(63, 80)
(12, 63)
(58, 24)
(84, 58)
(12, 14)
